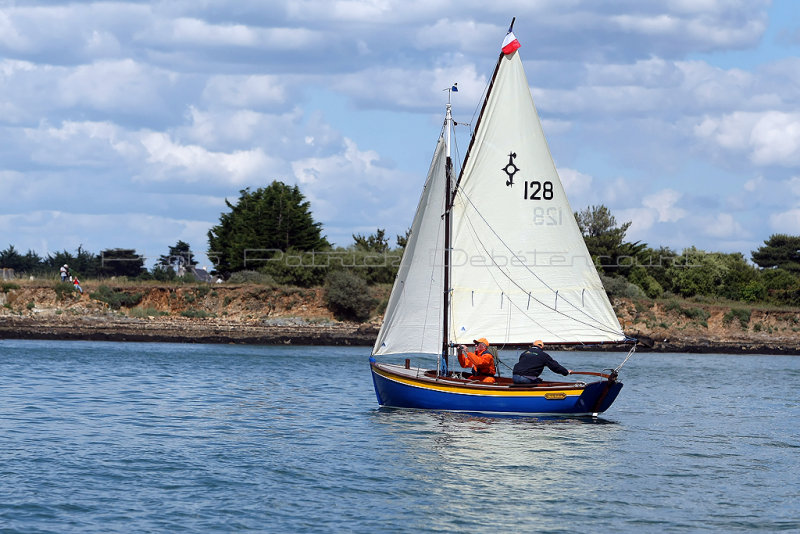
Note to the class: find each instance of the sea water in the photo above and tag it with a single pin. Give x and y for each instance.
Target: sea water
(132, 437)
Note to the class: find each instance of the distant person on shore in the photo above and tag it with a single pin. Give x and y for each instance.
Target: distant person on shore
(64, 272)
(532, 362)
(77, 284)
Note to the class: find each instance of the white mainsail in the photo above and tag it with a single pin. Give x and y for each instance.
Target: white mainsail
(413, 319)
(520, 267)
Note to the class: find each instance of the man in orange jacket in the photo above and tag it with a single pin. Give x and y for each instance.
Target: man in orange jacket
(481, 361)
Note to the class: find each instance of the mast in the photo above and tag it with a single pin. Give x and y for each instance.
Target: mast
(447, 238)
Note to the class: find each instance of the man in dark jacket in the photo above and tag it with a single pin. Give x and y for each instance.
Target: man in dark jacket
(532, 362)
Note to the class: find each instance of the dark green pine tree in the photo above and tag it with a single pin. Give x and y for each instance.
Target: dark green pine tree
(179, 255)
(402, 240)
(262, 222)
(781, 251)
(606, 241)
(600, 231)
(83, 262)
(377, 242)
(121, 262)
(28, 263)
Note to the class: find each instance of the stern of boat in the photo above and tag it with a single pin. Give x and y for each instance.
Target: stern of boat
(597, 397)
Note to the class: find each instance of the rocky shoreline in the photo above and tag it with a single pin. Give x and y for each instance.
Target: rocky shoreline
(180, 330)
(252, 314)
(298, 332)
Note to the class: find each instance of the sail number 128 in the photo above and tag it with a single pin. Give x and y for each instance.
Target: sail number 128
(536, 190)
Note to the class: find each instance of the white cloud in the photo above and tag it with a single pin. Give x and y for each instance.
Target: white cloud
(768, 138)
(113, 86)
(794, 185)
(194, 32)
(462, 34)
(641, 219)
(342, 10)
(410, 89)
(200, 32)
(352, 186)
(281, 136)
(70, 33)
(706, 24)
(754, 185)
(86, 143)
(129, 101)
(664, 202)
(721, 226)
(776, 139)
(244, 91)
(192, 163)
(10, 36)
(101, 44)
(575, 182)
(787, 222)
(659, 207)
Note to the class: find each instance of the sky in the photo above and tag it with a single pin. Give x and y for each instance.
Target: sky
(127, 124)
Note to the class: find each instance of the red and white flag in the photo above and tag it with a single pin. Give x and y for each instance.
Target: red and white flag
(510, 43)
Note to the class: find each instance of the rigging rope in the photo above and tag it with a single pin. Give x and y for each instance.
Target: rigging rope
(601, 327)
(630, 353)
(474, 235)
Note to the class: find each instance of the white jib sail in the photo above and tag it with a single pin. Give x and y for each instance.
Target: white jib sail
(521, 270)
(412, 322)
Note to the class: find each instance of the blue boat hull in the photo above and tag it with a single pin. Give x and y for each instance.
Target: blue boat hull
(399, 388)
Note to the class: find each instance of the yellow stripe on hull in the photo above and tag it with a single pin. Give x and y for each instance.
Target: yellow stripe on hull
(493, 391)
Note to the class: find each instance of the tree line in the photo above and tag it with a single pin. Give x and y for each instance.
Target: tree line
(269, 235)
(108, 263)
(635, 269)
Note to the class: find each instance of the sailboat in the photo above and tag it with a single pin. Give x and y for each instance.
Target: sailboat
(495, 253)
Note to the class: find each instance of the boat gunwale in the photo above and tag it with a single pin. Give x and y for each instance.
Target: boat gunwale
(418, 374)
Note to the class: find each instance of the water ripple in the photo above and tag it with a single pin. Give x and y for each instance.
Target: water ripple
(110, 437)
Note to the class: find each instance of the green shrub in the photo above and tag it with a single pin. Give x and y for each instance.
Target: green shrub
(196, 314)
(8, 286)
(754, 291)
(163, 273)
(62, 289)
(303, 269)
(647, 283)
(697, 314)
(115, 298)
(347, 296)
(741, 314)
(790, 296)
(31, 305)
(251, 277)
(617, 286)
(202, 291)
